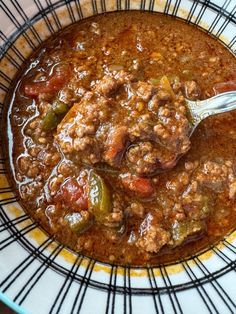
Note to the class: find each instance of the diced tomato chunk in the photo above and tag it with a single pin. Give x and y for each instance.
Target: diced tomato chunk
(116, 144)
(142, 186)
(54, 84)
(73, 194)
(224, 87)
(34, 89)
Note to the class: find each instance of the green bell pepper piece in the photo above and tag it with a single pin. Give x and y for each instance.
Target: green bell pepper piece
(77, 222)
(99, 199)
(59, 107)
(50, 121)
(182, 230)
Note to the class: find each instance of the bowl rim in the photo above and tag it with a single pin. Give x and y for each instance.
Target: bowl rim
(11, 40)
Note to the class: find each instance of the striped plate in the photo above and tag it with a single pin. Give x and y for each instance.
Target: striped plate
(39, 275)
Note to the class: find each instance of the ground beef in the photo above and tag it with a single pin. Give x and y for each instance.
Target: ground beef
(152, 237)
(189, 194)
(144, 90)
(142, 130)
(100, 127)
(107, 85)
(145, 157)
(216, 175)
(192, 90)
(135, 209)
(114, 220)
(173, 129)
(75, 134)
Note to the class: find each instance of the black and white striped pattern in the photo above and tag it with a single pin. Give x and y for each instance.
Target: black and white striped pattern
(44, 272)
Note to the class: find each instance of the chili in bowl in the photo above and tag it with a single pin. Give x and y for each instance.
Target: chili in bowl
(97, 119)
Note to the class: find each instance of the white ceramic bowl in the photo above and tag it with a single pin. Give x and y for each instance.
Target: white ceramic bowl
(38, 275)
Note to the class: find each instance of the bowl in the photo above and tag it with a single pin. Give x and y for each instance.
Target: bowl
(40, 275)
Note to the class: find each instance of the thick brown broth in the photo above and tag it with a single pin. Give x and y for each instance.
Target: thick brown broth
(99, 114)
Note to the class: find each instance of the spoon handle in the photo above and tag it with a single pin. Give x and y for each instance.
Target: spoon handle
(202, 109)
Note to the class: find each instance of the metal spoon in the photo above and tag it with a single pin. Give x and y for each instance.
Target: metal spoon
(202, 109)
